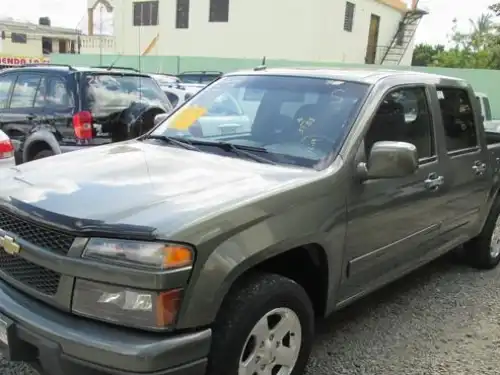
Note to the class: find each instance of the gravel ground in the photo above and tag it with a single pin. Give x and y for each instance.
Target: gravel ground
(442, 319)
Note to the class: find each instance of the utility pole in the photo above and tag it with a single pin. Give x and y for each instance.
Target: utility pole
(101, 8)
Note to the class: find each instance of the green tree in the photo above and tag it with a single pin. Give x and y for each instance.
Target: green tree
(426, 54)
(477, 49)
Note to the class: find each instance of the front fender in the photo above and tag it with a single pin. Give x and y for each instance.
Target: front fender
(40, 135)
(211, 280)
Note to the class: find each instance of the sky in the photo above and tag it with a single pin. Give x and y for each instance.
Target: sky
(434, 28)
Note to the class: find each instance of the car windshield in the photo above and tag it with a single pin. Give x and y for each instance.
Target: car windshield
(120, 91)
(290, 120)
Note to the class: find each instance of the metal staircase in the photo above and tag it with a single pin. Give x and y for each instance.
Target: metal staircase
(403, 37)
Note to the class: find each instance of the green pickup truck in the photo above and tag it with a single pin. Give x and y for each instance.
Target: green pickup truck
(182, 253)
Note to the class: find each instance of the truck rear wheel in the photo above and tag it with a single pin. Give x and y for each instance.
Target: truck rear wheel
(265, 326)
(483, 251)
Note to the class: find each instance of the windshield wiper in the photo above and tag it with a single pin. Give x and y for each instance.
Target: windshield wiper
(181, 142)
(241, 150)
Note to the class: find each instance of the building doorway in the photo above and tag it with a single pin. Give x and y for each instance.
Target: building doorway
(63, 46)
(371, 48)
(47, 45)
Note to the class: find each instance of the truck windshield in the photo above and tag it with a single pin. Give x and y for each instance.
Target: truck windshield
(106, 91)
(289, 120)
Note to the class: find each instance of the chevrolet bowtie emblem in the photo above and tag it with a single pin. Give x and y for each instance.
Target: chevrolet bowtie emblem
(9, 245)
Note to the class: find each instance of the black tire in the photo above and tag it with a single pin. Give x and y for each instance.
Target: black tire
(246, 304)
(477, 252)
(43, 154)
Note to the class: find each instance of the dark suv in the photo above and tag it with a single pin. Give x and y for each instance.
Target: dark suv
(52, 109)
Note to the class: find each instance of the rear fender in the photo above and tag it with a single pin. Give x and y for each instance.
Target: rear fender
(40, 135)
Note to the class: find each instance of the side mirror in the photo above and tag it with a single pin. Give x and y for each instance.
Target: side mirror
(389, 159)
(159, 118)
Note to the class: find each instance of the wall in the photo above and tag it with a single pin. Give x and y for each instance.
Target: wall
(482, 80)
(284, 29)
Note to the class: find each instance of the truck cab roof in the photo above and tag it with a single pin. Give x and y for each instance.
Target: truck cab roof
(368, 76)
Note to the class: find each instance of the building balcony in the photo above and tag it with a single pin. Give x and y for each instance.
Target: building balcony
(97, 44)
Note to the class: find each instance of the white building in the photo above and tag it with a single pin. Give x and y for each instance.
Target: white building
(354, 31)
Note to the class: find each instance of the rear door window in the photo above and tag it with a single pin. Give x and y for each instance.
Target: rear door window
(6, 82)
(53, 92)
(25, 90)
(458, 119)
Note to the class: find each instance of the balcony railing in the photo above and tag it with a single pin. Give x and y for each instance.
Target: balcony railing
(97, 43)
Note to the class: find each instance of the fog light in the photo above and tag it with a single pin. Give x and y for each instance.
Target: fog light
(126, 306)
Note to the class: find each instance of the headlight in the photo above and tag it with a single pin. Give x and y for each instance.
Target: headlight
(153, 255)
(126, 306)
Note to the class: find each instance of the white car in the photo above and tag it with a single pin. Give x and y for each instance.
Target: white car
(6, 151)
(165, 79)
(224, 117)
(179, 93)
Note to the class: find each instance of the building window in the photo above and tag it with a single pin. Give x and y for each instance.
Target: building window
(146, 13)
(19, 38)
(219, 11)
(349, 16)
(182, 15)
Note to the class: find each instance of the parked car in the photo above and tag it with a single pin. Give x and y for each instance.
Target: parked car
(225, 116)
(202, 77)
(6, 152)
(178, 93)
(52, 109)
(181, 254)
(490, 124)
(165, 79)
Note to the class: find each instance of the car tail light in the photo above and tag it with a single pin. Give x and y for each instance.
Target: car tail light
(6, 147)
(82, 124)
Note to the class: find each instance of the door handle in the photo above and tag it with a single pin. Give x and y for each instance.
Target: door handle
(31, 116)
(479, 168)
(434, 182)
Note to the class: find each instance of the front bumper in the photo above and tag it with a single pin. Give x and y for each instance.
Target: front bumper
(58, 343)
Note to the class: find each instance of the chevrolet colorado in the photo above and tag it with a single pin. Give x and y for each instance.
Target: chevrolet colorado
(186, 255)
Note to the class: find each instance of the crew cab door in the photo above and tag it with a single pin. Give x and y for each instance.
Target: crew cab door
(466, 157)
(392, 223)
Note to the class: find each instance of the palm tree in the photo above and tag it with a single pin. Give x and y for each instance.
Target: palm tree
(481, 29)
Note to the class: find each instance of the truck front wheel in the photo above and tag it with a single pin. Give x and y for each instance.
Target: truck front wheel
(483, 251)
(265, 327)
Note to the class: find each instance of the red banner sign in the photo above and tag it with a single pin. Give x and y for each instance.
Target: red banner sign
(22, 60)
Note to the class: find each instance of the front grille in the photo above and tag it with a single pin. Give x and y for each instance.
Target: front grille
(46, 238)
(32, 275)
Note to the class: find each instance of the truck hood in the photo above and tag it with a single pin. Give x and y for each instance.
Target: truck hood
(144, 184)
